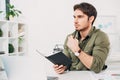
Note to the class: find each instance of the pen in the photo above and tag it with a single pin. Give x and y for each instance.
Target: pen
(115, 74)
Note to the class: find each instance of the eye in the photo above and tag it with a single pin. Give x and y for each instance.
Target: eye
(80, 16)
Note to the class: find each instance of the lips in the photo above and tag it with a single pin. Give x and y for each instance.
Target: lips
(76, 25)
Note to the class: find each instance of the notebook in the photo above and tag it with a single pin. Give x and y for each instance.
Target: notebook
(58, 58)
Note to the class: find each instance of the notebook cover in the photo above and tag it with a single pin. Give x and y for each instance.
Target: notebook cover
(60, 59)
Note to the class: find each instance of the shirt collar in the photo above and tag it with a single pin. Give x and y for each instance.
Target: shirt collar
(89, 34)
(91, 31)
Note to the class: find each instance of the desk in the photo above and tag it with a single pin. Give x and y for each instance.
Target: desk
(75, 75)
(113, 67)
(34, 68)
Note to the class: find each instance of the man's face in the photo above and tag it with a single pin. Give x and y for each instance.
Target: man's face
(81, 21)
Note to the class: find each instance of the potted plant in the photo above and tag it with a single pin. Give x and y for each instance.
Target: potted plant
(11, 48)
(12, 12)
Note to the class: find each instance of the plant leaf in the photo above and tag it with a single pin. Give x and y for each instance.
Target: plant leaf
(12, 11)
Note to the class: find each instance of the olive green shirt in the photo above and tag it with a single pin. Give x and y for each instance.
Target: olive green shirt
(95, 44)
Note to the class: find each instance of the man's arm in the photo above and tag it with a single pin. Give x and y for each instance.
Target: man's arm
(99, 53)
(86, 59)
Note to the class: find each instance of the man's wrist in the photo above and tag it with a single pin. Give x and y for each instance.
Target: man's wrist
(78, 52)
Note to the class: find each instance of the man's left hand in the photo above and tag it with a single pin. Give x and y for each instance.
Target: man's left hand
(73, 44)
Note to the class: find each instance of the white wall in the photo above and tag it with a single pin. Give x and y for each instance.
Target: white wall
(49, 21)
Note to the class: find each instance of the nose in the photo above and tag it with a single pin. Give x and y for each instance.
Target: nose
(75, 20)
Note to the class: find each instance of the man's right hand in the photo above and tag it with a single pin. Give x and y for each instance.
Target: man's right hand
(59, 69)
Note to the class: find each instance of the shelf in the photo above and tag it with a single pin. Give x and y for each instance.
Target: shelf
(13, 38)
(21, 53)
(3, 38)
(12, 54)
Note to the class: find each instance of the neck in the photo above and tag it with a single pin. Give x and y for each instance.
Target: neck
(85, 32)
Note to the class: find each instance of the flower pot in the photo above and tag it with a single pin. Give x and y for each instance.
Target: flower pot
(11, 18)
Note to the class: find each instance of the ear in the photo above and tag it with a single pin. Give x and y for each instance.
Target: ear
(91, 19)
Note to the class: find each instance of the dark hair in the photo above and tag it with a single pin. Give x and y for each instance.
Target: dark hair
(87, 9)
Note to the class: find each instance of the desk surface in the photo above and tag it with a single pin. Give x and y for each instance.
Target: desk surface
(75, 75)
(113, 68)
(32, 68)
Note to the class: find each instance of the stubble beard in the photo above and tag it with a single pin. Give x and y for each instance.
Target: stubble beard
(82, 29)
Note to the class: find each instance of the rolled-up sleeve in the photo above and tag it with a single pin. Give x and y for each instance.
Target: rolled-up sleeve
(100, 52)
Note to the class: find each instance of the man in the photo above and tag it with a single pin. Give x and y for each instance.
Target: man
(87, 47)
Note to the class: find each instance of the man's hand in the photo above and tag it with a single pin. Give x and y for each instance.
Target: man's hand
(73, 44)
(59, 69)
